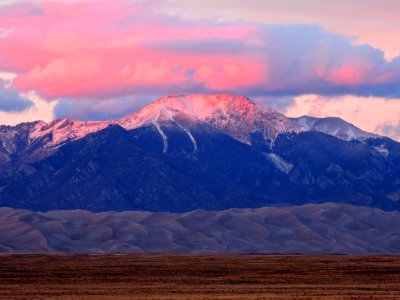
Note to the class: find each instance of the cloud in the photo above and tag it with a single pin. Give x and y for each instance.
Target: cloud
(367, 21)
(12, 101)
(388, 129)
(281, 104)
(7, 2)
(40, 109)
(111, 49)
(104, 109)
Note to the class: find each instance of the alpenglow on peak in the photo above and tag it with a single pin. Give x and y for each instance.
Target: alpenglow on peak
(236, 116)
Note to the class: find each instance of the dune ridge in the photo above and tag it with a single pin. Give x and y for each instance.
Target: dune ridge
(312, 228)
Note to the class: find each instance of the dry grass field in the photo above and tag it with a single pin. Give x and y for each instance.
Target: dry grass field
(182, 276)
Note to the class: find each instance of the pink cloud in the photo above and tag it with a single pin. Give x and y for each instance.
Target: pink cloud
(230, 75)
(351, 74)
(88, 49)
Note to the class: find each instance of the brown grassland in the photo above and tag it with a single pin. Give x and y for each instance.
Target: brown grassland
(187, 276)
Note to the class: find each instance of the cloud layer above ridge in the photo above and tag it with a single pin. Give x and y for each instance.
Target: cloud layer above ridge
(87, 49)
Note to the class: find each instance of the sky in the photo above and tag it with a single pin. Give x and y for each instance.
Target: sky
(95, 60)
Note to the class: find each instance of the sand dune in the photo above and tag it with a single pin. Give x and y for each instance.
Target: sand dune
(323, 228)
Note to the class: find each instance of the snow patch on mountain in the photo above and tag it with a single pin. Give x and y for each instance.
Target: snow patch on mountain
(382, 150)
(280, 163)
(191, 137)
(163, 136)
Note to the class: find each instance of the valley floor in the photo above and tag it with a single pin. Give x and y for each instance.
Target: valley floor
(190, 276)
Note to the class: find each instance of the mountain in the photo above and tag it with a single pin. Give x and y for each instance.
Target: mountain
(186, 152)
(334, 126)
(323, 228)
(235, 116)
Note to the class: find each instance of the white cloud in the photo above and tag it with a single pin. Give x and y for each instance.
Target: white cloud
(7, 78)
(7, 2)
(40, 110)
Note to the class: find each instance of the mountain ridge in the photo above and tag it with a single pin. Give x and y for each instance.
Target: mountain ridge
(240, 116)
(176, 155)
(334, 126)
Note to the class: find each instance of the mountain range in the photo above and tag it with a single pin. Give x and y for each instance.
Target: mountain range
(186, 152)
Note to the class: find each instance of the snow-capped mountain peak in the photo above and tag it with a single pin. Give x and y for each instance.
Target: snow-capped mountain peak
(193, 107)
(62, 130)
(334, 126)
(237, 116)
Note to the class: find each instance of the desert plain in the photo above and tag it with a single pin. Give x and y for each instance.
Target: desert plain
(198, 276)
